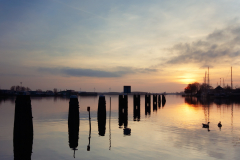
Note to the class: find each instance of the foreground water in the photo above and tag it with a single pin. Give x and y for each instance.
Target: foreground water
(170, 132)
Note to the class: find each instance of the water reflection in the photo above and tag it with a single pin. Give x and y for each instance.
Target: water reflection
(206, 126)
(23, 128)
(123, 111)
(159, 101)
(147, 104)
(73, 123)
(176, 129)
(220, 125)
(101, 115)
(4, 99)
(123, 114)
(198, 101)
(207, 103)
(90, 128)
(136, 107)
(154, 102)
(110, 135)
(163, 100)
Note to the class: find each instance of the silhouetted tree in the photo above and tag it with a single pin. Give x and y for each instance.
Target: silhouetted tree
(55, 90)
(205, 86)
(19, 88)
(227, 88)
(13, 88)
(192, 88)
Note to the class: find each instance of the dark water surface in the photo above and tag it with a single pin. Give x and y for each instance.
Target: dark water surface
(170, 132)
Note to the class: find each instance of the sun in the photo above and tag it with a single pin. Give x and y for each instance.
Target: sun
(187, 80)
(183, 76)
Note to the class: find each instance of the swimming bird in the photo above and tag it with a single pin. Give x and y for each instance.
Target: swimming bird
(219, 124)
(205, 125)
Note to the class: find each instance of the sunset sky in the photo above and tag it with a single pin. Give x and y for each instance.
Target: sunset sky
(152, 45)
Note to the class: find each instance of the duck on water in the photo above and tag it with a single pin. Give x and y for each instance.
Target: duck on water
(219, 124)
(205, 125)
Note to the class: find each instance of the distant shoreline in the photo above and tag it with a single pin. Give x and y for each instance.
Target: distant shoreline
(83, 94)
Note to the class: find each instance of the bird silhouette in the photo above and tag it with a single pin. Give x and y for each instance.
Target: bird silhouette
(219, 124)
(206, 125)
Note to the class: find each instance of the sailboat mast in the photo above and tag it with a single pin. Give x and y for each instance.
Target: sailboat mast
(231, 79)
(208, 77)
(205, 77)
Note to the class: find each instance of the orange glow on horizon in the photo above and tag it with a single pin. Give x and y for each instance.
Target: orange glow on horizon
(187, 80)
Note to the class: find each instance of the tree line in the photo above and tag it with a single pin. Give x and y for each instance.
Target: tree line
(22, 88)
(19, 88)
(196, 87)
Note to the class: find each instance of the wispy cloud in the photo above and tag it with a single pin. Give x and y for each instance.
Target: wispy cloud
(16, 75)
(81, 72)
(73, 7)
(220, 46)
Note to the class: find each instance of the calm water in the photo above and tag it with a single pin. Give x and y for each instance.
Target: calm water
(172, 132)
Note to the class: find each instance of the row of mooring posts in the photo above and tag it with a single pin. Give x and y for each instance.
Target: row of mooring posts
(74, 123)
(123, 114)
(23, 127)
(157, 102)
(23, 123)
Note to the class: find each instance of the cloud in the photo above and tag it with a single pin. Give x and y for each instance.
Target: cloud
(81, 72)
(206, 66)
(72, 7)
(220, 46)
(15, 75)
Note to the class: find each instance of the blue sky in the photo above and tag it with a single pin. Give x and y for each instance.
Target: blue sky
(151, 45)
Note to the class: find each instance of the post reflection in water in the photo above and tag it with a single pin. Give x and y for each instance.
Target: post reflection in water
(90, 128)
(101, 116)
(123, 114)
(23, 128)
(136, 107)
(110, 144)
(159, 101)
(73, 123)
(123, 111)
(154, 102)
(147, 104)
(163, 100)
(198, 101)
